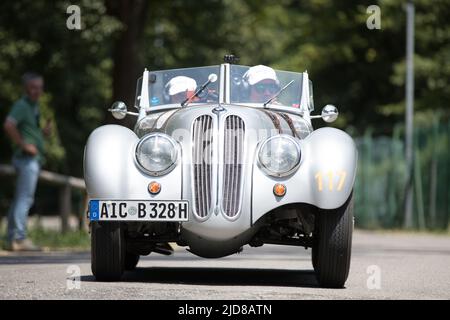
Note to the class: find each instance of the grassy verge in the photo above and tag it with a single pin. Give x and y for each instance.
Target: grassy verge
(55, 240)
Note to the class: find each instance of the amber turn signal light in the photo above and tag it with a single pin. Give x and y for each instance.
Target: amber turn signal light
(279, 189)
(154, 187)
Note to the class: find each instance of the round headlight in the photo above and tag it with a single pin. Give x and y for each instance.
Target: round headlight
(156, 153)
(279, 155)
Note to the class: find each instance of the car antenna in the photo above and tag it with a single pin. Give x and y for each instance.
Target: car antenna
(277, 94)
(211, 78)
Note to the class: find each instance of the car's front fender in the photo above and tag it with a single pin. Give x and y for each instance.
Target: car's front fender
(324, 179)
(110, 170)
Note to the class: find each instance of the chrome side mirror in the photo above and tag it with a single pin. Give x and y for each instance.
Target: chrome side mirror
(329, 113)
(119, 110)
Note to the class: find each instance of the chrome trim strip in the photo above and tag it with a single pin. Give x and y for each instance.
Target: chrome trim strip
(202, 166)
(232, 172)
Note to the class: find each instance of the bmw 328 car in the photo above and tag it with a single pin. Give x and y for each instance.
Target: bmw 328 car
(220, 157)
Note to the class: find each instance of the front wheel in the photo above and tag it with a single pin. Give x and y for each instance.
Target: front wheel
(131, 261)
(107, 251)
(333, 244)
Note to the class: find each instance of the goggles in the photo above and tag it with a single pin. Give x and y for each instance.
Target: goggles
(270, 87)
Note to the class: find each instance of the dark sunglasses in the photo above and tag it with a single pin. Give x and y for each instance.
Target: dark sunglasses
(262, 87)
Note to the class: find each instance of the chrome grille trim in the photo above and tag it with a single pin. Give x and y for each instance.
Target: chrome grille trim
(202, 136)
(233, 161)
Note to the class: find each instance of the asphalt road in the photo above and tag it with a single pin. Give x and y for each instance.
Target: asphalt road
(384, 266)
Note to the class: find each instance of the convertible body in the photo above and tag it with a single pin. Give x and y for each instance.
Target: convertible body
(239, 172)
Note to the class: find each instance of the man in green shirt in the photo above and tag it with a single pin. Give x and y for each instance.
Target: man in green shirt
(22, 126)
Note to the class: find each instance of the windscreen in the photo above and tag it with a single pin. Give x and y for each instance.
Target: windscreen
(260, 83)
(175, 85)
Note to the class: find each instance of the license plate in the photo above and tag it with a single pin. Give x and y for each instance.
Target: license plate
(138, 210)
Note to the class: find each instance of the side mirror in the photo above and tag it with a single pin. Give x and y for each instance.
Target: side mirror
(329, 113)
(119, 110)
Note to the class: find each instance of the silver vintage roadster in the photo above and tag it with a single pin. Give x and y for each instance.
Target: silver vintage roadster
(221, 157)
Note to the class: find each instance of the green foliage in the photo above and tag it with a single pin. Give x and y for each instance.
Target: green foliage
(56, 239)
(76, 66)
(359, 70)
(53, 239)
(381, 176)
(55, 154)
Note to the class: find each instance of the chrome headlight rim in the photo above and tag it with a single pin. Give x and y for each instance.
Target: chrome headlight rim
(160, 172)
(272, 173)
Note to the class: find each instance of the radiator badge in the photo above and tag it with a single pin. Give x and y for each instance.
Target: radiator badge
(217, 110)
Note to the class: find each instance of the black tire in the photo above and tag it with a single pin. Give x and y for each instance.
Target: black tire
(333, 245)
(131, 261)
(107, 251)
(314, 257)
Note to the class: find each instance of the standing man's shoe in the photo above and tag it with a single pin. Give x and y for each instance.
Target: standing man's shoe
(23, 245)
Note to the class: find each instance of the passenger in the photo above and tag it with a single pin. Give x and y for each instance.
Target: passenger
(179, 89)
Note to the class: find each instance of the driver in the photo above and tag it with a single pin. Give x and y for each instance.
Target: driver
(179, 88)
(261, 82)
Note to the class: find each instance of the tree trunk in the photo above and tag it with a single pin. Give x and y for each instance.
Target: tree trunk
(127, 66)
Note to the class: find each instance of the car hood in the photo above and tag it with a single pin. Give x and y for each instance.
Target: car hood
(259, 123)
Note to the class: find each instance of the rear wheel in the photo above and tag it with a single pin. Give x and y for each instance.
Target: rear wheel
(107, 251)
(131, 261)
(333, 244)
